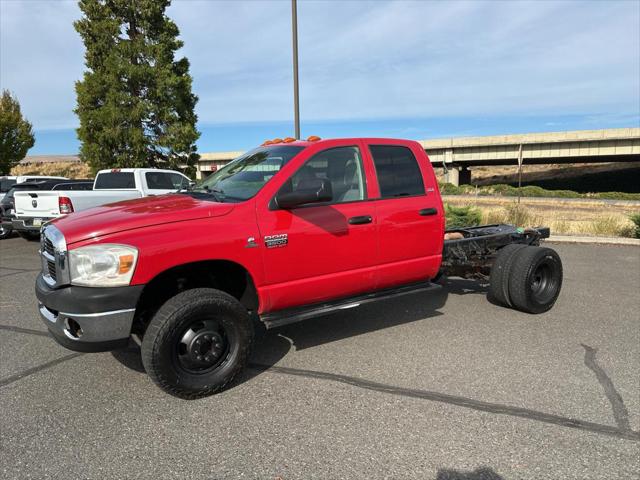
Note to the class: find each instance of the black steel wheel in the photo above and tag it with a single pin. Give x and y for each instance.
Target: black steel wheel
(197, 343)
(535, 279)
(202, 346)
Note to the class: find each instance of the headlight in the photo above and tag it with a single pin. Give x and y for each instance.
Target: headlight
(106, 265)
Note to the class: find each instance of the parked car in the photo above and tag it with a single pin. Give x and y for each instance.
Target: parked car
(6, 182)
(289, 231)
(32, 209)
(7, 206)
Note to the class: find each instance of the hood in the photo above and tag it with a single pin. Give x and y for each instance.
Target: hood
(138, 213)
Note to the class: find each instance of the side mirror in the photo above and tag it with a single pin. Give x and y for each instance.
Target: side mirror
(315, 191)
(192, 183)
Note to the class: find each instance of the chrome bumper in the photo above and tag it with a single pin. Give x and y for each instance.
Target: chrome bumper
(88, 331)
(23, 225)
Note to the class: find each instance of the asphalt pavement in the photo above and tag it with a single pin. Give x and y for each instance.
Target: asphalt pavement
(442, 385)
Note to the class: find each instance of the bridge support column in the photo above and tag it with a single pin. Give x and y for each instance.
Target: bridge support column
(458, 176)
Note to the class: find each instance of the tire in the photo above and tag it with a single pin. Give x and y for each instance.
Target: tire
(499, 277)
(5, 231)
(535, 279)
(197, 343)
(31, 236)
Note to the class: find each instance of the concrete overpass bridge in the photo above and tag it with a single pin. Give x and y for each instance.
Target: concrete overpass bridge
(459, 153)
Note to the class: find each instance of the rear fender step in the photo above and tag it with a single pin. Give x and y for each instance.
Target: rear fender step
(297, 314)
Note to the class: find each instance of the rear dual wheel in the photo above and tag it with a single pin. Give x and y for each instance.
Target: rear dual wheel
(526, 278)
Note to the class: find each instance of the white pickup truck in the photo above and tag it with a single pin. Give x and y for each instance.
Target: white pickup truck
(32, 209)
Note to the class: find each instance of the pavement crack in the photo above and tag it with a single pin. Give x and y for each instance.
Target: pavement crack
(620, 412)
(464, 402)
(18, 272)
(19, 376)
(29, 331)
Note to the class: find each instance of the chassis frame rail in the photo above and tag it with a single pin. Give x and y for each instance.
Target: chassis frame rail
(474, 253)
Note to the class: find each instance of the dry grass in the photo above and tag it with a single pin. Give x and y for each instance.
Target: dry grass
(58, 169)
(564, 218)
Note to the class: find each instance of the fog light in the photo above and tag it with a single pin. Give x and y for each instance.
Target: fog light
(72, 328)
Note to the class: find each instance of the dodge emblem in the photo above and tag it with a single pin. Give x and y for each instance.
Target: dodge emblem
(34, 203)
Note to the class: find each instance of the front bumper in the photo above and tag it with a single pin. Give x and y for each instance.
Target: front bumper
(88, 319)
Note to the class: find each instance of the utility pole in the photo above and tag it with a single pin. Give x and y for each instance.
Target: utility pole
(296, 93)
(519, 171)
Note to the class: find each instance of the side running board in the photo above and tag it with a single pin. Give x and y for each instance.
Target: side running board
(297, 314)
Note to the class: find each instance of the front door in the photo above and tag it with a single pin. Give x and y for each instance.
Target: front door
(318, 252)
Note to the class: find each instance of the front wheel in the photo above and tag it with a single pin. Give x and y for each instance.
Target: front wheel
(197, 343)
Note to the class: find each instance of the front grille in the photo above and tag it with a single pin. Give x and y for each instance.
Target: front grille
(53, 250)
(48, 246)
(51, 269)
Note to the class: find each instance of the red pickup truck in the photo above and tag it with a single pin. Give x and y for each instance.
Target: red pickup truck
(288, 231)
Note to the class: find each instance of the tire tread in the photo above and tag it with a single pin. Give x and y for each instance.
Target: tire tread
(499, 277)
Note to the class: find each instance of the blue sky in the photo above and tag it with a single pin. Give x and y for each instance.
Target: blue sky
(411, 69)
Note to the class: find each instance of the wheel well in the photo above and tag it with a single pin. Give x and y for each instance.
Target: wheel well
(224, 275)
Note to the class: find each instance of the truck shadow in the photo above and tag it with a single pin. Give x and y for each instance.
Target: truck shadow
(271, 346)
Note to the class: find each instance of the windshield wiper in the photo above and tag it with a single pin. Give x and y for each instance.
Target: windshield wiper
(214, 193)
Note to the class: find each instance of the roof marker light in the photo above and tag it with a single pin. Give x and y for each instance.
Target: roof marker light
(289, 140)
(313, 138)
(276, 140)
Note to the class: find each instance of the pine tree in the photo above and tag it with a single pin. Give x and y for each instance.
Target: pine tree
(16, 136)
(135, 103)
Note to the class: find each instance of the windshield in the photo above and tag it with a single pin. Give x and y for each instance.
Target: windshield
(243, 177)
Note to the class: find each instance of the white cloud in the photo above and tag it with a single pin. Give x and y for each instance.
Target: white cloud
(358, 59)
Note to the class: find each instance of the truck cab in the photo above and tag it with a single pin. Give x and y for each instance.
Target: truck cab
(288, 231)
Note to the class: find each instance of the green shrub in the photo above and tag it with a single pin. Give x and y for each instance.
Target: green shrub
(617, 196)
(462, 216)
(635, 218)
(449, 189)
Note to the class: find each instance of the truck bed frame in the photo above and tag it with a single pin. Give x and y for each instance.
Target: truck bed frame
(472, 256)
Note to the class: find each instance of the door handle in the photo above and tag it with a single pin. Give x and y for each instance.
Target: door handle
(361, 220)
(428, 211)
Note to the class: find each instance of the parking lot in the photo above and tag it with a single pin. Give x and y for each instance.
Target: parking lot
(442, 385)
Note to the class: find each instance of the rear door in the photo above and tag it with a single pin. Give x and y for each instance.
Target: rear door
(409, 213)
(322, 251)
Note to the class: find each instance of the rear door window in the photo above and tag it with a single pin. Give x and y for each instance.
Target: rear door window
(398, 172)
(115, 180)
